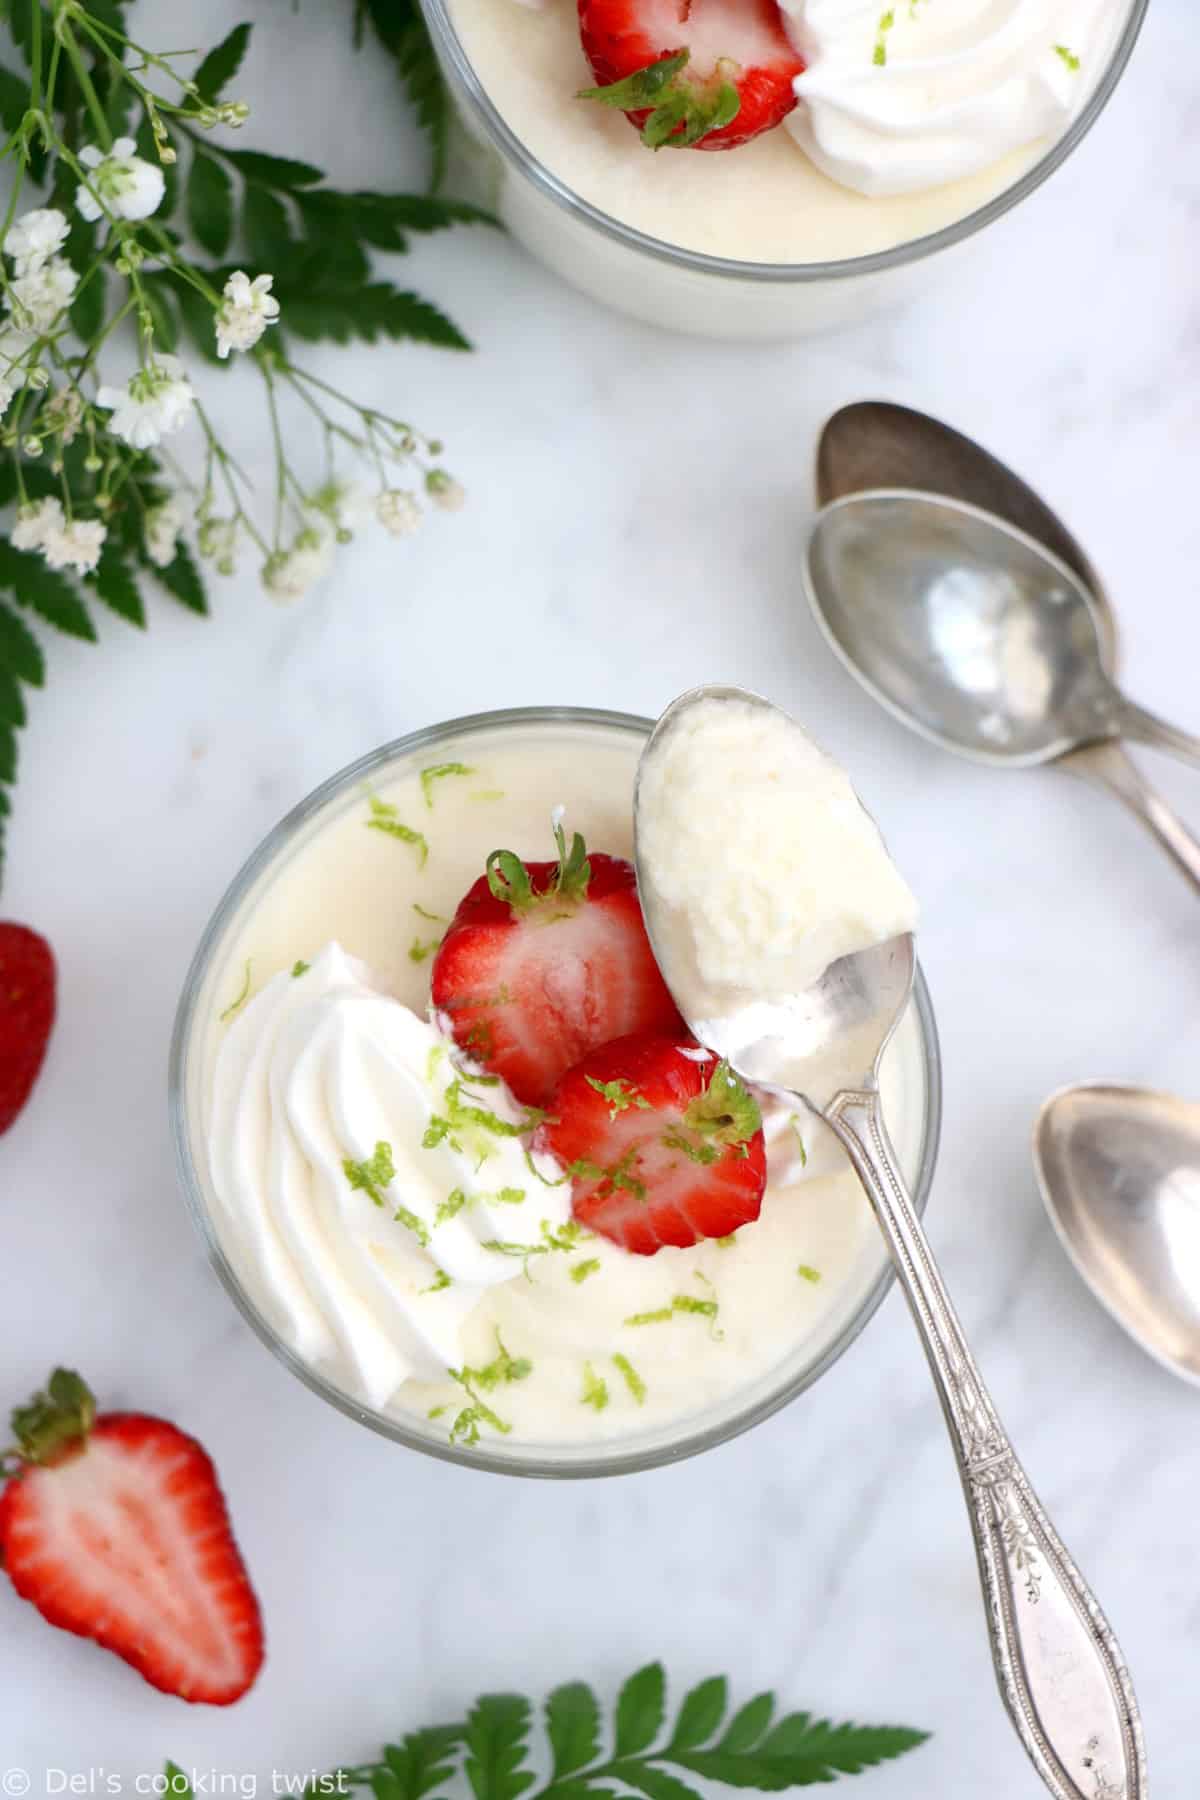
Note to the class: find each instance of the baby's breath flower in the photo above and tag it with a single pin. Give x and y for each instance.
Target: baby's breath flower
(398, 512)
(62, 414)
(14, 347)
(35, 237)
(247, 308)
(36, 300)
(161, 530)
(7, 390)
(216, 541)
(156, 401)
(446, 493)
(35, 523)
(288, 574)
(346, 504)
(120, 182)
(76, 545)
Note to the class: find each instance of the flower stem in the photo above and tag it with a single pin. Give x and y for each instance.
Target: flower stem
(71, 46)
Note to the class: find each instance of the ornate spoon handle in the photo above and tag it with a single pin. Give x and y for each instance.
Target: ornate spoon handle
(1060, 1668)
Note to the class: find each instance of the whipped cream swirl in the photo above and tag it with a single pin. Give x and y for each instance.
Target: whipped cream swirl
(904, 96)
(367, 1261)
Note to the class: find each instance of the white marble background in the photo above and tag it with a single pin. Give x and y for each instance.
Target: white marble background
(606, 560)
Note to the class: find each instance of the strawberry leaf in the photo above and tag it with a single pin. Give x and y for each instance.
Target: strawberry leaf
(266, 228)
(573, 1727)
(497, 1733)
(221, 65)
(19, 649)
(12, 705)
(640, 1707)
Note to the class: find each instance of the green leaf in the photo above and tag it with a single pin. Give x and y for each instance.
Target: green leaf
(44, 591)
(401, 30)
(12, 704)
(266, 229)
(181, 578)
(160, 302)
(422, 1760)
(14, 99)
(87, 309)
(196, 313)
(497, 1730)
(655, 1783)
(19, 649)
(8, 754)
(573, 1727)
(700, 1714)
(640, 1706)
(273, 171)
(802, 1752)
(178, 1786)
(371, 312)
(221, 65)
(210, 202)
(748, 1724)
(113, 582)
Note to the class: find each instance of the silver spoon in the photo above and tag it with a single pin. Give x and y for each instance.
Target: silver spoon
(877, 444)
(1060, 1669)
(1119, 1170)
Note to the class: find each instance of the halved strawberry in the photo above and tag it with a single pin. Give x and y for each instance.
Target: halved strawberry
(661, 1148)
(115, 1528)
(27, 984)
(544, 961)
(691, 74)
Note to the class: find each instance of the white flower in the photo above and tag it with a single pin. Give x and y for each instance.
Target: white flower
(398, 512)
(161, 530)
(75, 546)
(65, 543)
(155, 402)
(35, 238)
(36, 300)
(62, 414)
(14, 346)
(216, 541)
(347, 506)
(36, 523)
(245, 312)
(288, 574)
(446, 493)
(119, 183)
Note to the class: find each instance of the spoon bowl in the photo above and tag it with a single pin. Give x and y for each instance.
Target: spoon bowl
(830, 1036)
(964, 627)
(1119, 1171)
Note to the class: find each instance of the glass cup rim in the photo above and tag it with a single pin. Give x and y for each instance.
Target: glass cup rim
(570, 1460)
(507, 142)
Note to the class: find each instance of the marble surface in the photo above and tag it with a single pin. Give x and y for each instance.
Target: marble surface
(608, 561)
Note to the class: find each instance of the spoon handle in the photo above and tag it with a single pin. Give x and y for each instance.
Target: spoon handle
(1060, 1669)
(1145, 728)
(1108, 765)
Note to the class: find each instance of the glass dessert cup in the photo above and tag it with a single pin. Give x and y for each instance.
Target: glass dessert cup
(708, 295)
(217, 971)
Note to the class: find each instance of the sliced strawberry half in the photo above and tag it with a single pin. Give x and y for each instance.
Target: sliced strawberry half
(691, 74)
(661, 1148)
(544, 961)
(115, 1529)
(27, 984)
